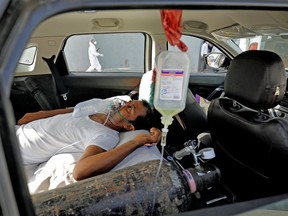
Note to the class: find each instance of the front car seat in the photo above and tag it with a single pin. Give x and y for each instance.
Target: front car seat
(251, 147)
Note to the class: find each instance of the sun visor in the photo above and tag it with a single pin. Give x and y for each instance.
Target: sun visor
(235, 31)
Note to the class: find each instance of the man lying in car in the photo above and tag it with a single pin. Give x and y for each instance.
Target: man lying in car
(47, 133)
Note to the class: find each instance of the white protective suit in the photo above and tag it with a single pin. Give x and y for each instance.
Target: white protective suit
(93, 57)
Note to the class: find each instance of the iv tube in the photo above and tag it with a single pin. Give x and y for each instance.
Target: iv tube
(163, 143)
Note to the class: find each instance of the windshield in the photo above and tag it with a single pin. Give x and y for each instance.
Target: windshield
(277, 44)
(272, 39)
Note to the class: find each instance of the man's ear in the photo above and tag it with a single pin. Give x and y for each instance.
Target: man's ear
(129, 127)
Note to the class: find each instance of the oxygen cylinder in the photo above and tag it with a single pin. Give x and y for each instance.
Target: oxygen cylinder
(129, 191)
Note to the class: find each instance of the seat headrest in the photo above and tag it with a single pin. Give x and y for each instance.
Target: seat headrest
(256, 79)
(147, 86)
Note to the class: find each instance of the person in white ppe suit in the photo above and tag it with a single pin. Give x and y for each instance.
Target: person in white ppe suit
(93, 57)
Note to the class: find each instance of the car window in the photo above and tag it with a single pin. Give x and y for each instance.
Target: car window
(119, 52)
(197, 49)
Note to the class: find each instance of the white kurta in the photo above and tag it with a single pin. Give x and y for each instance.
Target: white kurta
(44, 138)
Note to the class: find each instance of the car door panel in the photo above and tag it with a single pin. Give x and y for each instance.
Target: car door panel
(83, 87)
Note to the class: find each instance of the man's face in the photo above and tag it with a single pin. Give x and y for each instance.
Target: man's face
(133, 109)
(127, 113)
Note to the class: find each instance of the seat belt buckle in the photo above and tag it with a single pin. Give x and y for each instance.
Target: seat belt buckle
(64, 96)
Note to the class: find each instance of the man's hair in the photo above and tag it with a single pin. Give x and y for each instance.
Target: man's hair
(144, 122)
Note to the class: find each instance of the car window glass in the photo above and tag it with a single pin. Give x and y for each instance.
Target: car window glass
(119, 52)
(197, 49)
(241, 39)
(274, 43)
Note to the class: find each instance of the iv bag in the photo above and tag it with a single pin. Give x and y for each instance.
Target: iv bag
(172, 78)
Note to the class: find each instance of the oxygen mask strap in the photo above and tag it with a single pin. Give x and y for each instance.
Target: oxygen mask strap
(126, 120)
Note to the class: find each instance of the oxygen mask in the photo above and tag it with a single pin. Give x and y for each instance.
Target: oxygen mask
(116, 104)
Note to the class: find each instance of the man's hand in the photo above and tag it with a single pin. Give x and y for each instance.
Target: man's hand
(96, 161)
(149, 139)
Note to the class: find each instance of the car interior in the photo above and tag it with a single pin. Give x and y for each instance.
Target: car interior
(229, 145)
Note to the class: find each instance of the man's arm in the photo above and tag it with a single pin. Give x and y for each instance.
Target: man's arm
(28, 117)
(95, 52)
(96, 161)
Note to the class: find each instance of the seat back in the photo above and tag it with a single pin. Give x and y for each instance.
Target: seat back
(251, 146)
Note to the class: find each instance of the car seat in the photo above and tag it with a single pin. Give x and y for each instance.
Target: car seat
(251, 147)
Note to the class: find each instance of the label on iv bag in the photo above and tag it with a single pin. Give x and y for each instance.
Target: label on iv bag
(171, 84)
